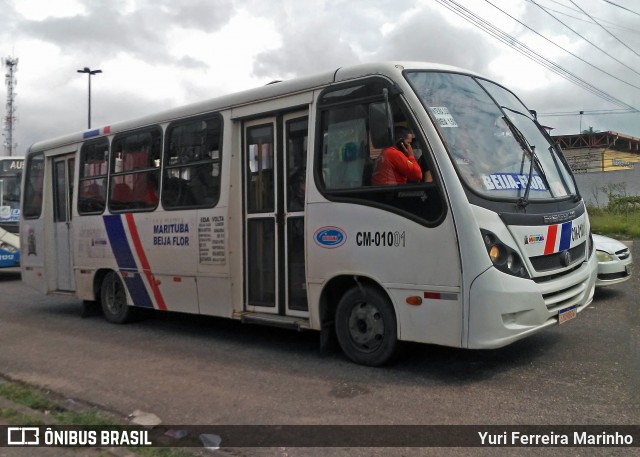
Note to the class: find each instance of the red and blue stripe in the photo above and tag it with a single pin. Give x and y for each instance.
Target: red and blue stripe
(126, 255)
(558, 238)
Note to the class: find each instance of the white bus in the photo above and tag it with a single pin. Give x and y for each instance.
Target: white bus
(260, 206)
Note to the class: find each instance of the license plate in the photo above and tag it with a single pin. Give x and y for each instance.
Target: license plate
(567, 314)
(627, 269)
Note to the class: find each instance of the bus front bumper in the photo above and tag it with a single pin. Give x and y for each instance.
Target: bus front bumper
(503, 310)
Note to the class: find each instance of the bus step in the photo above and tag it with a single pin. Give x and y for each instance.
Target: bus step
(295, 323)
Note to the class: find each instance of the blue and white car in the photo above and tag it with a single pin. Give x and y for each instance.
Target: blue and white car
(614, 261)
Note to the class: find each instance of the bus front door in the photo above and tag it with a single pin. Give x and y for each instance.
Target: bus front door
(275, 152)
(62, 197)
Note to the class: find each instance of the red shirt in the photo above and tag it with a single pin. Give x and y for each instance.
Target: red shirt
(394, 167)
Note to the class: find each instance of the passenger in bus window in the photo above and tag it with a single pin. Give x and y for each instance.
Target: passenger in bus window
(203, 185)
(422, 161)
(397, 164)
(297, 190)
(151, 198)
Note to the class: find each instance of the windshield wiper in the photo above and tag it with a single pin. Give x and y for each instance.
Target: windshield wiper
(555, 152)
(526, 147)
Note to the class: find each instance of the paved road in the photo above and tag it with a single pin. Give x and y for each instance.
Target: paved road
(195, 370)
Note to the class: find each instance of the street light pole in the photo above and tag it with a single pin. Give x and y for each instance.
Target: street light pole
(581, 113)
(89, 72)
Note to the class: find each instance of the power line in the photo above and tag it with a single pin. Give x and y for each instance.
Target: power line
(565, 50)
(587, 112)
(587, 40)
(611, 25)
(620, 6)
(603, 28)
(528, 52)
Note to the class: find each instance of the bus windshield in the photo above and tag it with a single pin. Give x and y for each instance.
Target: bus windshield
(10, 177)
(498, 149)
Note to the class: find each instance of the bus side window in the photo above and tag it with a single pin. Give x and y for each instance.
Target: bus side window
(34, 185)
(345, 147)
(192, 163)
(136, 170)
(351, 152)
(92, 182)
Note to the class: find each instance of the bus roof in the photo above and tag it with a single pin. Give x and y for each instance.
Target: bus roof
(270, 91)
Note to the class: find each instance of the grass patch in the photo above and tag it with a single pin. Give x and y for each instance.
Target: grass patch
(13, 417)
(605, 222)
(26, 396)
(37, 402)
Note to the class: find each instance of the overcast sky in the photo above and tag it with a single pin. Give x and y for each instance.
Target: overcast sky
(159, 54)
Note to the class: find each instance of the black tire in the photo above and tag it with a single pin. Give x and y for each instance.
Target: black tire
(113, 299)
(366, 326)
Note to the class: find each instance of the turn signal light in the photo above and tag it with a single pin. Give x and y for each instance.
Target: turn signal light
(414, 300)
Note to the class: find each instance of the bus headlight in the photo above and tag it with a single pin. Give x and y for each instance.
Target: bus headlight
(510, 261)
(502, 256)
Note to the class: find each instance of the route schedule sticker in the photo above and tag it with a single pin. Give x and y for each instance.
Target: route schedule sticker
(211, 240)
(443, 117)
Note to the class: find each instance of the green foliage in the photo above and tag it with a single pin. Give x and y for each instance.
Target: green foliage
(620, 218)
(615, 224)
(54, 409)
(624, 204)
(14, 417)
(27, 396)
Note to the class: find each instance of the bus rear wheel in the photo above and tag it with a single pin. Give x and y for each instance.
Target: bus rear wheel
(113, 299)
(366, 326)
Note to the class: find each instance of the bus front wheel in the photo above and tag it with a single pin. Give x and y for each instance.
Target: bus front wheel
(366, 326)
(113, 299)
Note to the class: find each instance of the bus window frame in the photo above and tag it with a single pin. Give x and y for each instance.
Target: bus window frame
(358, 195)
(148, 170)
(82, 177)
(27, 175)
(191, 166)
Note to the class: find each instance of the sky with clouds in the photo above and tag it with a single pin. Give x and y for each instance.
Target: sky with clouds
(159, 54)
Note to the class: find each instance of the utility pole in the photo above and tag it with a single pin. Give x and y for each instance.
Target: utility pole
(10, 116)
(89, 73)
(580, 131)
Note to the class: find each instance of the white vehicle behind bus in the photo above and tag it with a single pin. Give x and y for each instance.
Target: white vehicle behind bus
(259, 206)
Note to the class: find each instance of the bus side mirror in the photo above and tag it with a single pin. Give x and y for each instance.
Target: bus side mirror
(379, 124)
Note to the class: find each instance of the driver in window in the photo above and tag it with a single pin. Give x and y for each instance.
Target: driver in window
(397, 164)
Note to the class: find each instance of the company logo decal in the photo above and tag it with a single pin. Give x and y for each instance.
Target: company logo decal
(330, 237)
(533, 239)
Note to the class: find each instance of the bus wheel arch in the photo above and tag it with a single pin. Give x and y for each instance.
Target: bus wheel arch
(363, 317)
(98, 278)
(113, 299)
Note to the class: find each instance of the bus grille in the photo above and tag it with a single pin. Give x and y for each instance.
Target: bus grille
(564, 298)
(554, 261)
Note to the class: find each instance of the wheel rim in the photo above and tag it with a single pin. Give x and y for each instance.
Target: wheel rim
(114, 297)
(366, 327)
